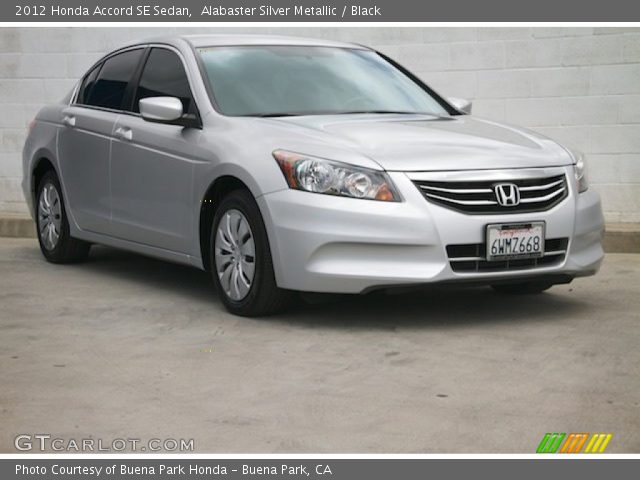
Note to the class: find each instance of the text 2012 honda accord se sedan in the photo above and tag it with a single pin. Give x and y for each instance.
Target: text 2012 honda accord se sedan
(283, 164)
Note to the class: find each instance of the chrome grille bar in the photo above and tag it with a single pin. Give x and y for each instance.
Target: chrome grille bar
(456, 190)
(541, 187)
(542, 199)
(478, 197)
(463, 202)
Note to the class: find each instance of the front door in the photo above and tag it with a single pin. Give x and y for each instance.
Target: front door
(152, 164)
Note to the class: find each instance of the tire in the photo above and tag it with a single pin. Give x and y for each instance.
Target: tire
(241, 263)
(56, 243)
(524, 288)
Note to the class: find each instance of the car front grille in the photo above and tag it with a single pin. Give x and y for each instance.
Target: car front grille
(479, 197)
(471, 258)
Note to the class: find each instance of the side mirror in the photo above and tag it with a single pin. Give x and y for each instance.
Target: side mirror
(166, 110)
(461, 104)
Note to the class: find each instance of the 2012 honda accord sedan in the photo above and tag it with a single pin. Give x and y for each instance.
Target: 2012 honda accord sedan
(283, 164)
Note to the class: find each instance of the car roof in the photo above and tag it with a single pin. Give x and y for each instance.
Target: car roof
(214, 40)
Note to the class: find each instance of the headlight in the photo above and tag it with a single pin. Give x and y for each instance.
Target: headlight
(334, 178)
(580, 170)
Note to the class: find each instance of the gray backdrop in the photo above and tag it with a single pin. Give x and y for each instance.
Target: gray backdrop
(578, 85)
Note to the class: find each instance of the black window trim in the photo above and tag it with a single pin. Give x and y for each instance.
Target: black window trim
(132, 86)
(100, 63)
(97, 66)
(451, 110)
(134, 83)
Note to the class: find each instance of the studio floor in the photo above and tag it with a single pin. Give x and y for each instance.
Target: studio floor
(124, 346)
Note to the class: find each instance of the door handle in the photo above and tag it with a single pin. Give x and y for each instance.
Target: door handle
(123, 133)
(69, 120)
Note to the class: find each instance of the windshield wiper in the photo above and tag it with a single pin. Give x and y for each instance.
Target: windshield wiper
(353, 112)
(275, 114)
(397, 112)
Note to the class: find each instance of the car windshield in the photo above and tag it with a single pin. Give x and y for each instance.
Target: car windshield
(303, 80)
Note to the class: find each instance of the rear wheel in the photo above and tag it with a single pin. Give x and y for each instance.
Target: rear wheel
(241, 262)
(524, 288)
(56, 243)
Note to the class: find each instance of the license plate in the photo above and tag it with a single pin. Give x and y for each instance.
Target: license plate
(512, 241)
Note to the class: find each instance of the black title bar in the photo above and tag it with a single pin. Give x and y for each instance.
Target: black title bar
(317, 469)
(319, 11)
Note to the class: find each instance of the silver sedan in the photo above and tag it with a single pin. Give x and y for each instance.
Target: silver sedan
(283, 164)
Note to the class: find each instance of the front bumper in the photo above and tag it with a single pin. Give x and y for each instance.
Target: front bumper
(321, 243)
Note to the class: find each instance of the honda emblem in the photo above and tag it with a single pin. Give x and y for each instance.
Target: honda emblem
(507, 194)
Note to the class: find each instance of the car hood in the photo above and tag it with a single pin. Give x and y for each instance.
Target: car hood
(430, 143)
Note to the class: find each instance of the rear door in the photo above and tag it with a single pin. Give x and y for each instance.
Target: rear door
(84, 140)
(152, 164)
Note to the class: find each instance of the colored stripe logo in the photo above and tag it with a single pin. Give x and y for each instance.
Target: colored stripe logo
(574, 443)
(598, 443)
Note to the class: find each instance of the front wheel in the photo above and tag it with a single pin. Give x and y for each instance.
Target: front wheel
(523, 288)
(241, 262)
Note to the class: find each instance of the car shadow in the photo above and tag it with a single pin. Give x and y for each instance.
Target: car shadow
(436, 307)
(191, 282)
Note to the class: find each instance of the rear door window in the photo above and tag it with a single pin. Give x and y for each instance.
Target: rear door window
(112, 80)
